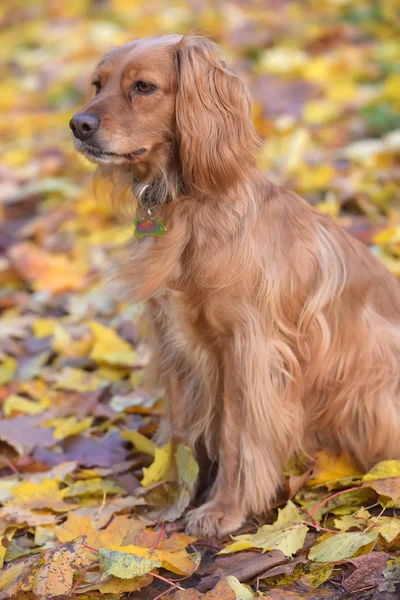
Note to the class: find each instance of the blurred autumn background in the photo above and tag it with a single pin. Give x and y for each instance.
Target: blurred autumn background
(75, 417)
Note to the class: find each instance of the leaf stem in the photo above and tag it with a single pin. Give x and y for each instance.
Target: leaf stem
(90, 548)
(170, 589)
(316, 526)
(165, 580)
(82, 575)
(314, 510)
(159, 537)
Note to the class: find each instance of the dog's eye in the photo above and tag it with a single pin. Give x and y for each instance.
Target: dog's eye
(97, 86)
(144, 87)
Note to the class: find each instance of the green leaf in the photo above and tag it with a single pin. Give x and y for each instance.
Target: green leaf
(341, 546)
(286, 534)
(125, 565)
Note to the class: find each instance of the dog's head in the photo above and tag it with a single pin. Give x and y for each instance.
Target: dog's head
(165, 104)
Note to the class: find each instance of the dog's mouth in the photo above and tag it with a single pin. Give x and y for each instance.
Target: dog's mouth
(98, 154)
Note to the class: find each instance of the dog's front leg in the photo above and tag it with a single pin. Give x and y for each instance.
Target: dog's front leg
(260, 423)
(224, 512)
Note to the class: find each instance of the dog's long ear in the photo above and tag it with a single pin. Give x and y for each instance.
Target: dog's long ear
(215, 132)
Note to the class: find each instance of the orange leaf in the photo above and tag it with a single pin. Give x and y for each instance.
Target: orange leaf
(47, 272)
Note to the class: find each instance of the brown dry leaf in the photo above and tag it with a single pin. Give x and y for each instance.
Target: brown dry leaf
(244, 566)
(21, 515)
(113, 585)
(296, 593)
(368, 571)
(100, 514)
(55, 577)
(54, 273)
(25, 434)
(389, 487)
(222, 591)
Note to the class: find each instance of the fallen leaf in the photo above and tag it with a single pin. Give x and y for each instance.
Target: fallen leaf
(91, 452)
(384, 478)
(160, 467)
(21, 515)
(140, 442)
(18, 577)
(389, 487)
(123, 530)
(242, 592)
(113, 585)
(15, 403)
(110, 348)
(78, 380)
(296, 592)
(97, 486)
(368, 571)
(77, 526)
(25, 434)
(8, 367)
(101, 514)
(358, 520)
(330, 469)
(188, 469)
(317, 575)
(45, 494)
(45, 271)
(222, 591)
(244, 566)
(286, 534)
(55, 577)
(288, 568)
(340, 546)
(389, 528)
(391, 575)
(125, 565)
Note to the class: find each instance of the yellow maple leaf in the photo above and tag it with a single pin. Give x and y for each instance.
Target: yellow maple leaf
(45, 494)
(77, 526)
(67, 426)
(330, 468)
(320, 111)
(110, 348)
(44, 327)
(141, 442)
(8, 367)
(15, 403)
(160, 467)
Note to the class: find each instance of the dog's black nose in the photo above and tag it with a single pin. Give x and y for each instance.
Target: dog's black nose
(83, 125)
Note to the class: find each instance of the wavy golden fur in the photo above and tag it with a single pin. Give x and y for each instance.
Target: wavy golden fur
(273, 330)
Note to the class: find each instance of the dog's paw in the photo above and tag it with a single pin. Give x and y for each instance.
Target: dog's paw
(212, 519)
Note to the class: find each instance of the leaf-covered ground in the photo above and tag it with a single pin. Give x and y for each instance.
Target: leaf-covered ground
(87, 508)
